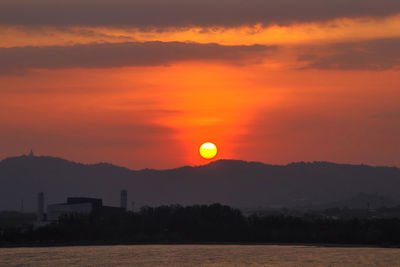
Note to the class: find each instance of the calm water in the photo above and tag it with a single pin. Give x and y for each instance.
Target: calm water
(199, 255)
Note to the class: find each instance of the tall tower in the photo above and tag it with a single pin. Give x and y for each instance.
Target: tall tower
(124, 199)
(40, 207)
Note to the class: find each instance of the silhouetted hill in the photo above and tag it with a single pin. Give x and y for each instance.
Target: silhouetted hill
(236, 183)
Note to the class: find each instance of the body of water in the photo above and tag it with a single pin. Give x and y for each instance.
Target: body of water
(199, 255)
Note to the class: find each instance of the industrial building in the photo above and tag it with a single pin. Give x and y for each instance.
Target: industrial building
(79, 205)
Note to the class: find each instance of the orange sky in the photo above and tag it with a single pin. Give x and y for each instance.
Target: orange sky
(304, 91)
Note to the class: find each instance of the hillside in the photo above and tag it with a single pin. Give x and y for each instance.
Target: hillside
(236, 183)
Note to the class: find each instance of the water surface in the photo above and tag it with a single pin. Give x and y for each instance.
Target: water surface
(199, 255)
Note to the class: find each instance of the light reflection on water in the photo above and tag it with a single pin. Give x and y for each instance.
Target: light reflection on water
(199, 255)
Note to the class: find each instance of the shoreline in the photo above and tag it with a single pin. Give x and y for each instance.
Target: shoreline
(87, 244)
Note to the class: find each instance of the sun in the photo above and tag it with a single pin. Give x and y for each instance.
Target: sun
(208, 150)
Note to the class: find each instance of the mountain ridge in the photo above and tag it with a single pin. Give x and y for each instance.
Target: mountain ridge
(233, 182)
(214, 162)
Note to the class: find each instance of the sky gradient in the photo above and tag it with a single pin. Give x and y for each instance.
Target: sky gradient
(143, 83)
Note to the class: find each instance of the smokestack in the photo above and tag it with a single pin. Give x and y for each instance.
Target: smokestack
(40, 210)
(124, 199)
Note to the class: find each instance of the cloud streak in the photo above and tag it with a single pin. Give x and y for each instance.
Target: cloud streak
(375, 55)
(111, 55)
(183, 13)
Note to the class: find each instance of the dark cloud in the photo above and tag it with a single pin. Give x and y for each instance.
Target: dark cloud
(181, 13)
(377, 55)
(20, 59)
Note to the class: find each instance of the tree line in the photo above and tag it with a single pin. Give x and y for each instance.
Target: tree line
(203, 223)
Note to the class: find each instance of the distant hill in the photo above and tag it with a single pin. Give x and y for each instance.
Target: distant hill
(236, 183)
(364, 201)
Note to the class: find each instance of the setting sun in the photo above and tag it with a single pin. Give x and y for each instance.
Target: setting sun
(208, 150)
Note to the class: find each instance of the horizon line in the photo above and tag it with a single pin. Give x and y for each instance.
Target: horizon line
(197, 166)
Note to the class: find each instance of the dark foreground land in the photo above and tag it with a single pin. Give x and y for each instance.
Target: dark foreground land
(203, 224)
